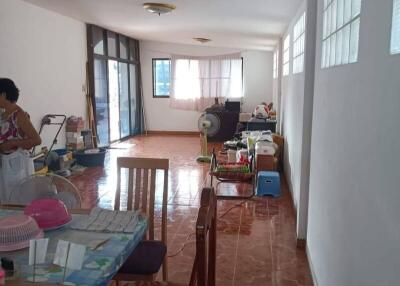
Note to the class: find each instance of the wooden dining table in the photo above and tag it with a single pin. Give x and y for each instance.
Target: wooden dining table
(99, 266)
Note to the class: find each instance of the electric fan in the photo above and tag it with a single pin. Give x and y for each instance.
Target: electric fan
(208, 125)
(40, 186)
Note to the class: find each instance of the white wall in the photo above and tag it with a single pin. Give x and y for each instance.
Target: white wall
(354, 214)
(45, 54)
(292, 99)
(277, 86)
(257, 76)
(275, 92)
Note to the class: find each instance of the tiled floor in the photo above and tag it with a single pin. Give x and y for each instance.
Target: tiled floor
(256, 242)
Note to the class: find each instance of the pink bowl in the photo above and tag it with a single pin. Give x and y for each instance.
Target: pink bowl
(16, 231)
(48, 213)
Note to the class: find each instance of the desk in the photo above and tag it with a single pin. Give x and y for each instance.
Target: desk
(262, 125)
(99, 266)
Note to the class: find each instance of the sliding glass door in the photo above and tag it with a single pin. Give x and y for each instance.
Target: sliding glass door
(101, 97)
(115, 61)
(113, 92)
(124, 109)
(135, 102)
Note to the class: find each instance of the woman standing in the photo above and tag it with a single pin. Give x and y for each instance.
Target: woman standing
(17, 135)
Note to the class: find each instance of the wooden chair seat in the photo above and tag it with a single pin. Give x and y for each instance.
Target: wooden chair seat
(153, 283)
(146, 259)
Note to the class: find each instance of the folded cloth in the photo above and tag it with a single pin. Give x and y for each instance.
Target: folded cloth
(108, 221)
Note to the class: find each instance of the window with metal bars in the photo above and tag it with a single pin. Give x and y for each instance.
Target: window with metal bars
(298, 44)
(395, 42)
(340, 36)
(276, 65)
(286, 56)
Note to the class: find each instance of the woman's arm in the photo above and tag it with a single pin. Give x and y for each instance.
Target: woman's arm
(31, 137)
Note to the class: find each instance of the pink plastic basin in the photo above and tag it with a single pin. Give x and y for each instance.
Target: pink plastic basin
(16, 231)
(48, 213)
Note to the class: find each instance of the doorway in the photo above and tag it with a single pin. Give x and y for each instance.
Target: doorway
(114, 62)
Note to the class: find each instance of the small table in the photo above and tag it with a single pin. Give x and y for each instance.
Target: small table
(267, 124)
(99, 266)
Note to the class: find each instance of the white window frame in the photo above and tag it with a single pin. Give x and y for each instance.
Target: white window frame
(286, 56)
(275, 71)
(298, 44)
(395, 38)
(340, 32)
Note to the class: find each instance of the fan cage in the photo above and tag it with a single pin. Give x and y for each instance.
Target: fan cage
(38, 186)
(215, 123)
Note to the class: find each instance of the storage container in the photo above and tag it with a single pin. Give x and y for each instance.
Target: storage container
(268, 183)
(91, 158)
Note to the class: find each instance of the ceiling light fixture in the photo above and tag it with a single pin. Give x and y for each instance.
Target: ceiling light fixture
(202, 40)
(159, 8)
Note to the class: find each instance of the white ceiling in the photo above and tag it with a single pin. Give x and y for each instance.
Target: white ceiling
(242, 24)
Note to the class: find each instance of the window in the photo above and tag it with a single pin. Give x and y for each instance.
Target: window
(275, 71)
(197, 81)
(161, 77)
(298, 44)
(286, 56)
(341, 28)
(395, 43)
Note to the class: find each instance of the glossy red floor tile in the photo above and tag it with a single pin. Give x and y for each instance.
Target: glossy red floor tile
(256, 243)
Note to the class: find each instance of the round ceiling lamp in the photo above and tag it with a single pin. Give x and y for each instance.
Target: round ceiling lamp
(159, 8)
(202, 40)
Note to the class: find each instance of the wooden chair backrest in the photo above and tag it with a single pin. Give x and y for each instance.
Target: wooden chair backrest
(141, 195)
(204, 270)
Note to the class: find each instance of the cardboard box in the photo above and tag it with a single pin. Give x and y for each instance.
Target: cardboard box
(74, 140)
(279, 140)
(75, 146)
(72, 134)
(266, 163)
(75, 124)
(75, 128)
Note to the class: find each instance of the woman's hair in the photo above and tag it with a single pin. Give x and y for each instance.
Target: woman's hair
(8, 87)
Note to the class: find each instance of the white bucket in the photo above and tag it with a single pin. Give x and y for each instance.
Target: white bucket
(231, 156)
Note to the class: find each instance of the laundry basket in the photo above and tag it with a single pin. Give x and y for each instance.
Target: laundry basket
(91, 157)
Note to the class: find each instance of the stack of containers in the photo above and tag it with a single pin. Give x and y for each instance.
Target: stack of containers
(75, 126)
(87, 138)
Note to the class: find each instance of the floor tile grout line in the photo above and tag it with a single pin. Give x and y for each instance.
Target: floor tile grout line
(176, 232)
(170, 242)
(270, 245)
(237, 248)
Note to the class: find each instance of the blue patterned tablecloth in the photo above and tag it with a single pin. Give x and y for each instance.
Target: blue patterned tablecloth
(99, 266)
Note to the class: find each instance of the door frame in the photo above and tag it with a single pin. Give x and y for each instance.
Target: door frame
(132, 59)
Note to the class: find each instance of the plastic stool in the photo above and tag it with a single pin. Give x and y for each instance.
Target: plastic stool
(268, 183)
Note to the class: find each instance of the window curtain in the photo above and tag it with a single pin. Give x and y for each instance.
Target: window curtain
(197, 81)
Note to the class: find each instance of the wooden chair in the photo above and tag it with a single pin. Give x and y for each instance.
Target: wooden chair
(204, 266)
(149, 255)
